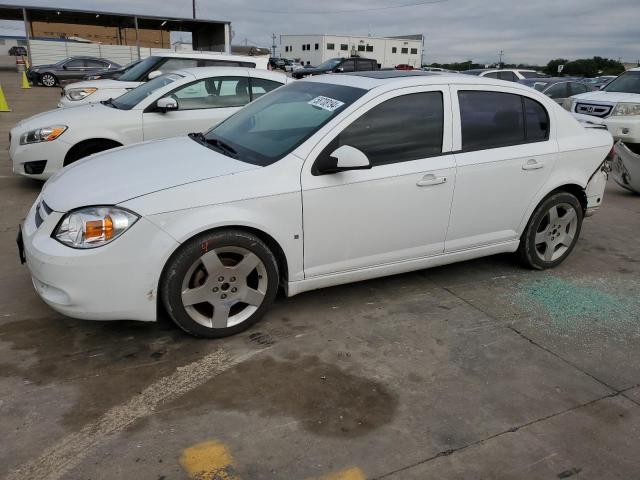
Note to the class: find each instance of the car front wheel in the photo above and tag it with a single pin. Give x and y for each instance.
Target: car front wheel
(219, 283)
(48, 80)
(552, 231)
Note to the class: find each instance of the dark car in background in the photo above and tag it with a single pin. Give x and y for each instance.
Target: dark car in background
(558, 88)
(111, 73)
(18, 51)
(338, 65)
(72, 68)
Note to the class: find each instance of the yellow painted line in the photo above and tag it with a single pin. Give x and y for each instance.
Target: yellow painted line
(353, 473)
(208, 461)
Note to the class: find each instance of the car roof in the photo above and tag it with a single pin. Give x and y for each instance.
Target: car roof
(381, 78)
(209, 55)
(204, 72)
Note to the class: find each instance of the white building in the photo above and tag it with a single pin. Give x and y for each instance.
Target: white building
(388, 51)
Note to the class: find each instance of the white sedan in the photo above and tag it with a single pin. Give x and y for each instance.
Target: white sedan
(325, 181)
(191, 100)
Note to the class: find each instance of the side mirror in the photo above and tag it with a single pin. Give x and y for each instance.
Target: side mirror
(64, 67)
(338, 69)
(342, 159)
(166, 104)
(154, 74)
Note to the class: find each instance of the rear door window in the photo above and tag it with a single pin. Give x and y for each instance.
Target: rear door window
(172, 64)
(496, 119)
(260, 86)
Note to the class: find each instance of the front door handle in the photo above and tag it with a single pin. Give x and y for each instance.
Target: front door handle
(532, 164)
(430, 179)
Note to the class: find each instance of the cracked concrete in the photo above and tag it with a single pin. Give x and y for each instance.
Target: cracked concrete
(458, 372)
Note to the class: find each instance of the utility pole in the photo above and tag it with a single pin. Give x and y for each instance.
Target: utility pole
(193, 5)
(273, 45)
(246, 41)
(500, 54)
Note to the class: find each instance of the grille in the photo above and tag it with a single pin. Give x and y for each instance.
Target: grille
(42, 211)
(594, 110)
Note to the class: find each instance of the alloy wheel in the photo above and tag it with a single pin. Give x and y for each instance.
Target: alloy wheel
(224, 287)
(48, 80)
(556, 232)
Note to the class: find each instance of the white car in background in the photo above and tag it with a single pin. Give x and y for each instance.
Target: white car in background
(508, 74)
(617, 106)
(94, 91)
(172, 104)
(324, 181)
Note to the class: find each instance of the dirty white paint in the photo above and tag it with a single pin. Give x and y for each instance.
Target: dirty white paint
(61, 457)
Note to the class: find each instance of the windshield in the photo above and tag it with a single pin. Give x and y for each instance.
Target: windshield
(329, 64)
(137, 73)
(133, 97)
(628, 82)
(269, 128)
(532, 74)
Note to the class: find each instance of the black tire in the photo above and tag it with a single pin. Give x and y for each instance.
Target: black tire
(187, 263)
(87, 148)
(541, 255)
(48, 79)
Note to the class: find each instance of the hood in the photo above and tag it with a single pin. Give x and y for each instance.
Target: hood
(117, 175)
(105, 83)
(608, 97)
(66, 116)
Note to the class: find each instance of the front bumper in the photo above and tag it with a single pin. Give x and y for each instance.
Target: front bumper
(52, 152)
(117, 281)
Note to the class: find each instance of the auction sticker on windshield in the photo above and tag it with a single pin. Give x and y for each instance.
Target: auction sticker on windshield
(326, 103)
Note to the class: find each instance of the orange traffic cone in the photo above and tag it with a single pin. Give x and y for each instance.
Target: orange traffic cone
(25, 82)
(4, 106)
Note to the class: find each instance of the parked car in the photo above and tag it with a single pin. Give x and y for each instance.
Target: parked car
(292, 66)
(210, 227)
(617, 106)
(509, 74)
(111, 73)
(94, 91)
(172, 104)
(18, 51)
(72, 68)
(438, 69)
(598, 82)
(338, 65)
(558, 89)
(404, 66)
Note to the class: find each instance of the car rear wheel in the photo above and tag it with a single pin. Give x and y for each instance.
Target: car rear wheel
(219, 283)
(48, 80)
(552, 231)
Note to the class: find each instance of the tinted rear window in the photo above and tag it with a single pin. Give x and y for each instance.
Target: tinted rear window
(496, 119)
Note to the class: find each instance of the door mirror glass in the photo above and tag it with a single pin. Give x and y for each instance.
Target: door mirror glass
(343, 158)
(154, 74)
(166, 104)
(338, 70)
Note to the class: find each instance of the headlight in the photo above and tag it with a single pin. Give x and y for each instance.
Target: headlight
(626, 109)
(567, 103)
(79, 93)
(45, 134)
(93, 77)
(92, 227)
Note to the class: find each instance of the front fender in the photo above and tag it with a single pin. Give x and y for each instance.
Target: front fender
(278, 216)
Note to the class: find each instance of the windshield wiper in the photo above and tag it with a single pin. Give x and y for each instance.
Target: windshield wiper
(222, 146)
(109, 102)
(214, 143)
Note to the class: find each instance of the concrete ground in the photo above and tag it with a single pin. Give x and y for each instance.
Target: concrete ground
(476, 370)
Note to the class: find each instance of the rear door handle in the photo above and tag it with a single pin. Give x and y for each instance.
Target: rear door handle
(430, 179)
(532, 164)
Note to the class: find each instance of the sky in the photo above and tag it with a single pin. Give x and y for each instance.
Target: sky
(532, 32)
